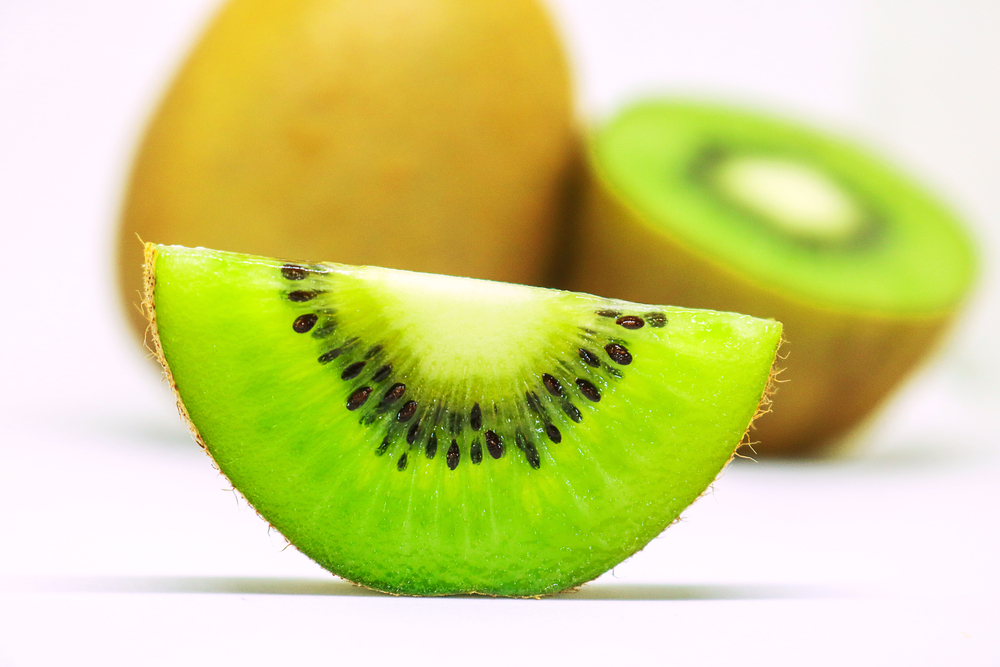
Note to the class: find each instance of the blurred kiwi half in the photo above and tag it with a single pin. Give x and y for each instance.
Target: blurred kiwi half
(705, 206)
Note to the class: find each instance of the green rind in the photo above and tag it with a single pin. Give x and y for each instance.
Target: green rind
(275, 424)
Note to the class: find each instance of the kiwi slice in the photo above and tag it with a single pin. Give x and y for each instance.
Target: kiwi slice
(710, 207)
(423, 434)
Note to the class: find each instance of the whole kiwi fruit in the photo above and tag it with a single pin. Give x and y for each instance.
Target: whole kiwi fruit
(428, 135)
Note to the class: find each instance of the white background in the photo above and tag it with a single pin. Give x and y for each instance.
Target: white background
(121, 545)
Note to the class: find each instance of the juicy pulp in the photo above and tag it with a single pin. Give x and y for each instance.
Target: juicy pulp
(274, 418)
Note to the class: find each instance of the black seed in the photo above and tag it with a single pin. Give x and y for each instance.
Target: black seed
(494, 443)
(382, 373)
(657, 320)
(455, 422)
(588, 390)
(553, 433)
(552, 384)
(572, 411)
(327, 357)
(293, 272)
(529, 450)
(609, 313)
(325, 329)
(453, 455)
(630, 322)
(534, 460)
(411, 435)
(476, 452)
(401, 463)
(373, 351)
(432, 446)
(392, 395)
(407, 411)
(533, 402)
(358, 398)
(476, 418)
(618, 354)
(589, 358)
(304, 323)
(302, 295)
(384, 446)
(531, 453)
(352, 371)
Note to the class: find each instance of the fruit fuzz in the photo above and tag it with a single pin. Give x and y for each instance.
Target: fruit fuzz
(429, 435)
(423, 135)
(709, 207)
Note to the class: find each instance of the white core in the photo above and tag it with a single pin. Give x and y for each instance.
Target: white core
(793, 196)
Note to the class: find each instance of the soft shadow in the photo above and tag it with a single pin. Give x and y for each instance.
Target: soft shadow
(341, 588)
(912, 456)
(166, 433)
(142, 428)
(697, 592)
(219, 585)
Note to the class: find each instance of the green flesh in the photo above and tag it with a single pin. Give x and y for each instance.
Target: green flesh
(543, 516)
(842, 228)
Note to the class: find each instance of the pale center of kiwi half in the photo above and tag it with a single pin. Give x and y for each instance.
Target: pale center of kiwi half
(483, 330)
(790, 195)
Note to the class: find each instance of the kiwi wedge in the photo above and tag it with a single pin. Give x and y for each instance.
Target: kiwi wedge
(427, 136)
(429, 435)
(712, 207)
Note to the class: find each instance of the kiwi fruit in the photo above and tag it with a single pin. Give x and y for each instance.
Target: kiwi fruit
(428, 435)
(712, 207)
(430, 135)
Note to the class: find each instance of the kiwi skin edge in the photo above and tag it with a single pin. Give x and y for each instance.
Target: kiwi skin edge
(840, 365)
(152, 343)
(151, 339)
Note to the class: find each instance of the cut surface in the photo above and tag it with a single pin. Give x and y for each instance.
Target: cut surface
(788, 208)
(709, 206)
(428, 435)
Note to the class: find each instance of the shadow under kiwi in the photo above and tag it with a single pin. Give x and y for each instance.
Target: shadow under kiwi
(340, 588)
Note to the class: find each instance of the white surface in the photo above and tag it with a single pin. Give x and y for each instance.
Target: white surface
(122, 546)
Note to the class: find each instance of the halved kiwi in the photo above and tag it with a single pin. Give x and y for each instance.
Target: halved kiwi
(422, 434)
(710, 207)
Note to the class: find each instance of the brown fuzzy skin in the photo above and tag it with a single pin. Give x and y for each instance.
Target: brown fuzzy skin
(427, 135)
(839, 366)
(152, 338)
